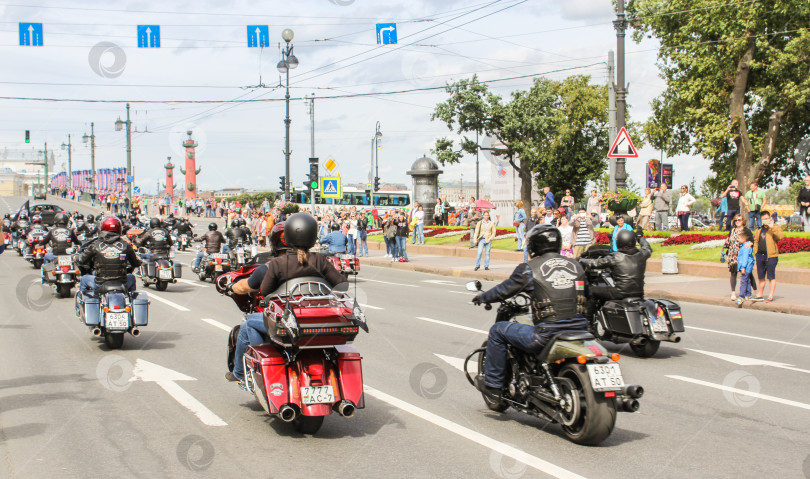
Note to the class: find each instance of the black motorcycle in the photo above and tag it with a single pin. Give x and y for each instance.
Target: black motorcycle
(159, 270)
(641, 322)
(573, 381)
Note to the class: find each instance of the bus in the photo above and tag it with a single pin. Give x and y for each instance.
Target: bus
(383, 200)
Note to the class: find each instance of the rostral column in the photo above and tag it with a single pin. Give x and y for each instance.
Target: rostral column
(191, 172)
(169, 177)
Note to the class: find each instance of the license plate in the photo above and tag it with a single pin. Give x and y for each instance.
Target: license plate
(218, 267)
(605, 377)
(347, 256)
(219, 256)
(659, 325)
(317, 395)
(117, 320)
(63, 261)
(165, 274)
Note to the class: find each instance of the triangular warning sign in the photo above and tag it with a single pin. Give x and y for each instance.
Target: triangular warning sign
(330, 188)
(622, 146)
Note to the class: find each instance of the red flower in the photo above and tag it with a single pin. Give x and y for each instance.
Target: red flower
(692, 238)
(794, 245)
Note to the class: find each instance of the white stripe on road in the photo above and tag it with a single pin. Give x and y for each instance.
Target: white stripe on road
(195, 283)
(167, 302)
(749, 337)
(474, 436)
(388, 282)
(217, 324)
(742, 392)
(463, 292)
(453, 325)
(363, 305)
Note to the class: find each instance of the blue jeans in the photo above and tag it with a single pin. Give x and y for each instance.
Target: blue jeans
(684, 220)
(472, 236)
(351, 245)
(745, 284)
(483, 247)
(525, 252)
(402, 241)
(531, 339)
(363, 242)
(199, 258)
(754, 220)
(252, 331)
(521, 234)
(420, 233)
(389, 246)
(88, 285)
(48, 258)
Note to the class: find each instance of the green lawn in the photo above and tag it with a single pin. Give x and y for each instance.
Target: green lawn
(794, 260)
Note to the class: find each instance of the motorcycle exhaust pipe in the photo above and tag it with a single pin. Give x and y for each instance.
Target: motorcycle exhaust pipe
(674, 338)
(287, 413)
(136, 332)
(630, 405)
(635, 391)
(96, 332)
(641, 341)
(345, 408)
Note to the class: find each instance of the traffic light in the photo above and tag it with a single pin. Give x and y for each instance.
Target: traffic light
(313, 173)
(27, 136)
(282, 182)
(376, 183)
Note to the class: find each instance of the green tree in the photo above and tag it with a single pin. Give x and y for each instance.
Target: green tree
(738, 87)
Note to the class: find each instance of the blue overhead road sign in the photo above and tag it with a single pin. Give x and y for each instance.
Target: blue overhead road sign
(258, 36)
(148, 36)
(386, 33)
(31, 34)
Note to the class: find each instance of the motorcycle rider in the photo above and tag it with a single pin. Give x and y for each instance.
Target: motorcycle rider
(169, 222)
(294, 261)
(336, 240)
(90, 228)
(61, 239)
(111, 258)
(626, 266)
(556, 286)
(156, 239)
(7, 226)
(183, 227)
(212, 243)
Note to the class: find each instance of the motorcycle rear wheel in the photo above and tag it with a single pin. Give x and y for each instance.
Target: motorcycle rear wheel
(308, 424)
(597, 414)
(114, 340)
(63, 290)
(37, 263)
(161, 285)
(492, 404)
(646, 350)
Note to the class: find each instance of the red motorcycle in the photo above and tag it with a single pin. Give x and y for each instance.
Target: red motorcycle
(308, 368)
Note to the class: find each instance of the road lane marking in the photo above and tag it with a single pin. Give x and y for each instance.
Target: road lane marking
(166, 378)
(453, 325)
(217, 324)
(749, 337)
(370, 306)
(463, 292)
(167, 302)
(743, 361)
(388, 282)
(457, 363)
(194, 283)
(442, 282)
(723, 387)
(474, 436)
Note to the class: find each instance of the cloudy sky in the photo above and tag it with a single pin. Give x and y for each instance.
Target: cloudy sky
(90, 52)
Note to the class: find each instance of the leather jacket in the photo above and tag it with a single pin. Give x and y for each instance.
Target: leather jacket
(183, 228)
(627, 268)
(555, 284)
(111, 257)
(36, 235)
(212, 241)
(234, 235)
(61, 239)
(157, 240)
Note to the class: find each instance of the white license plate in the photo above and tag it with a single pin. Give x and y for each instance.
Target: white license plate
(659, 325)
(63, 261)
(117, 320)
(165, 274)
(317, 395)
(219, 256)
(605, 377)
(347, 256)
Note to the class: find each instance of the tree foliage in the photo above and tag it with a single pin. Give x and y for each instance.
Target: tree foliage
(738, 88)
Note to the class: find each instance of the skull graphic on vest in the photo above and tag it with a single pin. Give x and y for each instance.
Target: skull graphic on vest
(560, 273)
(112, 250)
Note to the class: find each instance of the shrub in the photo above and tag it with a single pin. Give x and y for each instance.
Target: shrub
(794, 245)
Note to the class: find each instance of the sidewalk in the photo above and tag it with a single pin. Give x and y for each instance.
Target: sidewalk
(789, 298)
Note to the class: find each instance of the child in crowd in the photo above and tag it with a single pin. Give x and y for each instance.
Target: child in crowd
(745, 266)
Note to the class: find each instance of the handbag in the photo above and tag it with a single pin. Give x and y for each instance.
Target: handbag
(517, 223)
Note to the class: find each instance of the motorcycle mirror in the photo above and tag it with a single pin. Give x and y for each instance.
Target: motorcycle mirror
(474, 286)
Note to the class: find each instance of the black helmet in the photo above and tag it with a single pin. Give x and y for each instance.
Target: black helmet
(80, 216)
(242, 222)
(334, 226)
(234, 223)
(91, 219)
(543, 239)
(5, 216)
(212, 226)
(171, 215)
(60, 219)
(154, 223)
(301, 231)
(625, 239)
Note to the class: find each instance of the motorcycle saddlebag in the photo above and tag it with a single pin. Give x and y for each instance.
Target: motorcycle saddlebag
(674, 312)
(623, 317)
(140, 308)
(269, 371)
(178, 270)
(351, 374)
(150, 269)
(91, 311)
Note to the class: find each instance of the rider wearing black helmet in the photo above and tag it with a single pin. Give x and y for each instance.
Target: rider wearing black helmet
(626, 266)
(60, 237)
(212, 243)
(556, 286)
(300, 233)
(156, 238)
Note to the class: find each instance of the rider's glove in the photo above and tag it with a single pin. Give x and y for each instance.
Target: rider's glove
(477, 300)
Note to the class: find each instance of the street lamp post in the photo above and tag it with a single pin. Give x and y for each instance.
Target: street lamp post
(68, 147)
(118, 126)
(377, 147)
(288, 62)
(92, 139)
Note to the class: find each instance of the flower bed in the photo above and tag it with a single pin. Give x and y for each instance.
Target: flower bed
(690, 238)
(794, 245)
(715, 243)
(500, 233)
(647, 234)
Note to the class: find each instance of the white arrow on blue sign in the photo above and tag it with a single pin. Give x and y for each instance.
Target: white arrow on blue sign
(136, 190)
(31, 34)
(258, 36)
(148, 36)
(386, 33)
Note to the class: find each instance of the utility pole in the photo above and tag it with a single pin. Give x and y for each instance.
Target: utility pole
(69, 147)
(93, 159)
(310, 102)
(612, 131)
(477, 180)
(620, 24)
(118, 125)
(44, 163)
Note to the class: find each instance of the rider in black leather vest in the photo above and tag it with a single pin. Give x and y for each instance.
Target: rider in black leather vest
(627, 267)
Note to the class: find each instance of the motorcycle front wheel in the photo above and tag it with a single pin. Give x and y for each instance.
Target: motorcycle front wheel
(492, 403)
(593, 417)
(308, 424)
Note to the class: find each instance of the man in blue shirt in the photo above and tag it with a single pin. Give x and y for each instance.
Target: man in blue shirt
(549, 202)
(336, 240)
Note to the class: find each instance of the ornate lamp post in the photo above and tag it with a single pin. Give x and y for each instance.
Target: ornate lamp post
(92, 138)
(288, 62)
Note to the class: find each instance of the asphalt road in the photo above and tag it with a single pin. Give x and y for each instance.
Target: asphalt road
(71, 408)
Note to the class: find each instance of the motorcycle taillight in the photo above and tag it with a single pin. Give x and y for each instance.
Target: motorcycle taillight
(219, 260)
(65, 269)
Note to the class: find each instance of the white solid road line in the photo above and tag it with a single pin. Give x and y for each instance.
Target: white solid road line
(463, 292)
(453, 325)
(388, 282)
(217, 324)
(457, 363)
(488, 442)
(363, 305)
(194, 283)
(749, 337)
(744, 361)
(743, 392)
(167, 302)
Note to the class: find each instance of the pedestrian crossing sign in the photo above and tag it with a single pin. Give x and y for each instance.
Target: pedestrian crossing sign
(331, 187)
